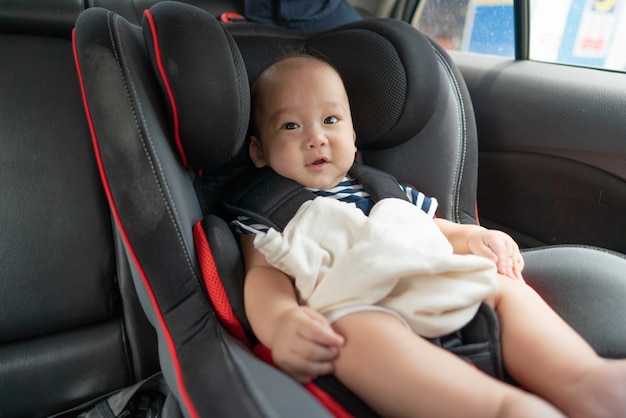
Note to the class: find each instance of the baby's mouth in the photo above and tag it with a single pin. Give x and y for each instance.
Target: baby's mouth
(319, 161)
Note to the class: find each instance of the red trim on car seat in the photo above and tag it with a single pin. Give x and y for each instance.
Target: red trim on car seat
(214, 285)
(185, 399)
(168, 88)
(320, 394)
(263, 353)
(328, 401)
(225, 313)
(231, 17)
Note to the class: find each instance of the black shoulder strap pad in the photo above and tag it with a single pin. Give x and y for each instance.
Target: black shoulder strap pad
(379, 184)
(266, 196)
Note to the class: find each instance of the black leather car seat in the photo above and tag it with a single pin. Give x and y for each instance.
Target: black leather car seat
(154, 201)
(71, 328)
(154, 136)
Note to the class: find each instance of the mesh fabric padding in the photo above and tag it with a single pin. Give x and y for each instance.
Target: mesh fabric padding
(377, 76)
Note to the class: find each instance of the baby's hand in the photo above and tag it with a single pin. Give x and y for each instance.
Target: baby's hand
(304, 344)
(500, 248)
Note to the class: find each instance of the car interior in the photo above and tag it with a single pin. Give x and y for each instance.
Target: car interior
(121, 129)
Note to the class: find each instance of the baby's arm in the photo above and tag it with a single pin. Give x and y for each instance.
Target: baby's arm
(489, 243)
(302, 341)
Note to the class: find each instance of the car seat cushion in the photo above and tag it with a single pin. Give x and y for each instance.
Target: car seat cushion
(223, 275)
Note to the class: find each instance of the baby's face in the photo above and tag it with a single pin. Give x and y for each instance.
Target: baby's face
(304, 124)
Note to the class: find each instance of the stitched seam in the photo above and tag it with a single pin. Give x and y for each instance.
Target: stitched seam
(182, 392)
(147, 142)
(462, 134)
(574, 246)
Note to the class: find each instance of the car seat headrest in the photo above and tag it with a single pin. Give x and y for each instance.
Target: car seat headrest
(204, 80)
(389, 68)
(390, 73)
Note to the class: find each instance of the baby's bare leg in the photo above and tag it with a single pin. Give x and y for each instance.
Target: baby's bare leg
(400, 374)
(549, 358)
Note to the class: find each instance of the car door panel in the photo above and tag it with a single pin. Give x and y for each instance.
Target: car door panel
(552, 142)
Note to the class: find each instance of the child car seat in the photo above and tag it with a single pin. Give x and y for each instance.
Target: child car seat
(158, 152)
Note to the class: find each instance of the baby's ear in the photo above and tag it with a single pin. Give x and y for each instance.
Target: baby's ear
(256, 152)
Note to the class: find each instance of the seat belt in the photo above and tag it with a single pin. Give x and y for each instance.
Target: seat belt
(144, 399)
(266, 196)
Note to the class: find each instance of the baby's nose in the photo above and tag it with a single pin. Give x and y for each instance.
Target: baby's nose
(317, 139)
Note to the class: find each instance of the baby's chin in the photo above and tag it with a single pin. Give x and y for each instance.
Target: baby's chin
(322, 185)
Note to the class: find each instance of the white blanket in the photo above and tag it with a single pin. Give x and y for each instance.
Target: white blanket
(395, 258)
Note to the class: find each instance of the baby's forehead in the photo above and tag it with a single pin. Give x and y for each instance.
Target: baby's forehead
(280, 77)
(292, 65)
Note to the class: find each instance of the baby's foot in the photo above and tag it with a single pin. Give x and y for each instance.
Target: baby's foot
(601, 393)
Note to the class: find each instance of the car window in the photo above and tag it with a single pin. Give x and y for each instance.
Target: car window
(482, 26)
(580, 32)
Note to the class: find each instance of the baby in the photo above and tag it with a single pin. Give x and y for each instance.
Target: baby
(303, 131)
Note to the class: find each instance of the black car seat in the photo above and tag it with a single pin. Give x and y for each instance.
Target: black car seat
(154, 202)
(71, 327)
(168, 140)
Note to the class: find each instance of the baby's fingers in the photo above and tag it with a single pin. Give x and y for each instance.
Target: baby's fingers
(308, 371)
(305, 360)
(511, 266)
(518, 267)
(320, 330)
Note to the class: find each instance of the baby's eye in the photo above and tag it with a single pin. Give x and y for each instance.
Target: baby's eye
(331, 120)
(291, 125)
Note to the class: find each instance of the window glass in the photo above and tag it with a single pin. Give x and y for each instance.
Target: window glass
(580, 32)
(482, 26)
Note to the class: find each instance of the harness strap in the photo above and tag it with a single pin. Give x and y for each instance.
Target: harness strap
(266, 196)
(379, 184)
(272, 199)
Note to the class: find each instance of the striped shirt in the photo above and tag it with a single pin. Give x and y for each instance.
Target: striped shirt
(350, 191)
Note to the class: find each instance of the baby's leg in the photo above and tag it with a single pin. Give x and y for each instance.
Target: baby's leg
(401, 374)
(544, 354)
